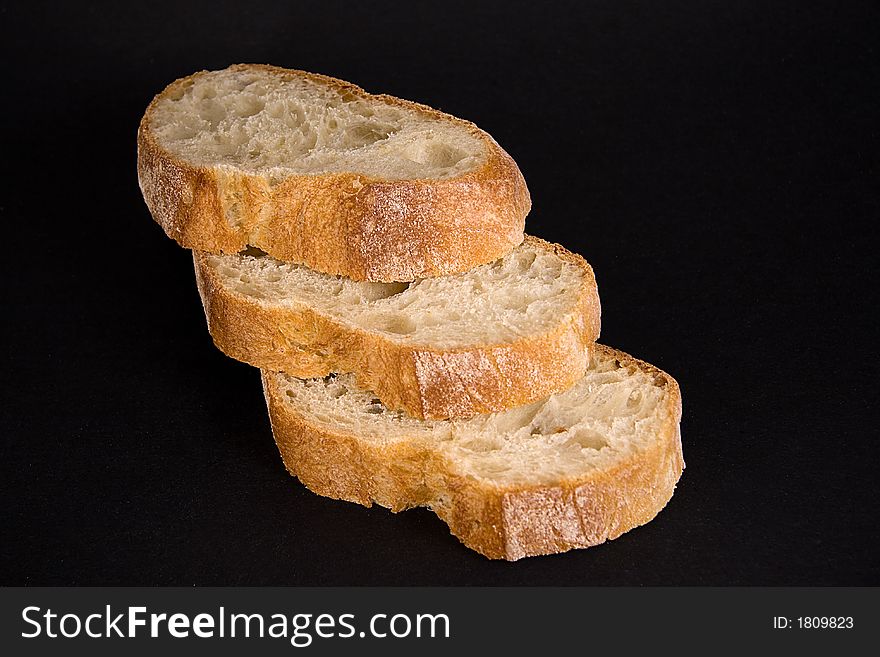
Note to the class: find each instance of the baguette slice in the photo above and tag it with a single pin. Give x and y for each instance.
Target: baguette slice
(317, 171)
(570, 471)
(499, 336)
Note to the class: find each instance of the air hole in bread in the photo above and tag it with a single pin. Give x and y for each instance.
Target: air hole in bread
(364, 111)
(379, 291)
(635, 398)
(481, 444)
(437, 155)
(295, 117)
(490, 468)
(399, 324)
(252, 251)
(366, 134)
(182, 132)
(212, 112)
(242, 82)
(586, 439)
(246, 106)
(180, 91)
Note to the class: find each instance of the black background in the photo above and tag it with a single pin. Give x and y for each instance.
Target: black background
(714, 161)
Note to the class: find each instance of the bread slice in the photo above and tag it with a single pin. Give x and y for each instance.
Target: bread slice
(570, 471)
(499, 336)
(317, 171)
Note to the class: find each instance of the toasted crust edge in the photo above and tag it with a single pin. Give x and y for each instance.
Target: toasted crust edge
(425, 382)
(500, 523)
(345, 223)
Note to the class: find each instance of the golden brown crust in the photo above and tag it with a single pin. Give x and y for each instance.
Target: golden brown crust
(352, 224)
(425, 382)
(500, 523)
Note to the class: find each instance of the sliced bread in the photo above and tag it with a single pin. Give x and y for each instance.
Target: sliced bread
(317, 171)
(570, 471)
(499, 336)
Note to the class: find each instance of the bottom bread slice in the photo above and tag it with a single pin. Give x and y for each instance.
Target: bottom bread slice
(569, 471)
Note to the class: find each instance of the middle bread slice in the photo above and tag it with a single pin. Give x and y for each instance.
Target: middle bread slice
(498, 336)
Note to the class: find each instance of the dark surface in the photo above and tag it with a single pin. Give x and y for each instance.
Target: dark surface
(714, 161)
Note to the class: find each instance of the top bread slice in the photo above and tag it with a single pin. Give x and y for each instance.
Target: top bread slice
(569, 471)
(316, 171)
(498, 336)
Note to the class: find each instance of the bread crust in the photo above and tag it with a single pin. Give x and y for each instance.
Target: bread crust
(351, 224)
(424, 381)
(499, 522)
